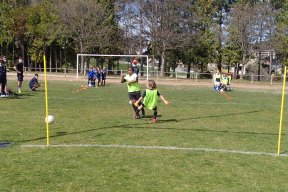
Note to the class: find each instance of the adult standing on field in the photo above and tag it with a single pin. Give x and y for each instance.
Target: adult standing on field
(3, 77)
(133, 90)
(19, 69)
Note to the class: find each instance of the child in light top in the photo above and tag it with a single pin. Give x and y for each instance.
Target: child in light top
(133, 90)
(217, 81)
(150, 99)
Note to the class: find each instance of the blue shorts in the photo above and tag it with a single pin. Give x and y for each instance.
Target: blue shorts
(20, 77)
(3, 80)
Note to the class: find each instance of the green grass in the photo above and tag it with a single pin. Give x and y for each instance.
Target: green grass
(197, 117)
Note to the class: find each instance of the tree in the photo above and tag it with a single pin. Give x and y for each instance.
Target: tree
(5, 21)
(222, 10)
(202, 44)
(41, 29)
(281, 38)
(240, 24)
(89, 24)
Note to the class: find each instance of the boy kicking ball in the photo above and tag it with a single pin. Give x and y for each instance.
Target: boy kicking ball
(150, 98)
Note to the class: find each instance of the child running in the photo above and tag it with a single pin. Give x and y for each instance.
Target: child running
(150, 98)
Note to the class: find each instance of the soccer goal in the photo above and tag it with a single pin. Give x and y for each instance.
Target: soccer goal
(120, 56)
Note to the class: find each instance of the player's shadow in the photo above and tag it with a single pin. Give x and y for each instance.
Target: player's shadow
(150, 116)
(207, 130)
(39, 90)
(17, 96)
(206, 117)
(141, 125)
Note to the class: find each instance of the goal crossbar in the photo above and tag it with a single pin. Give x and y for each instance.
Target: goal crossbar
(104, 55)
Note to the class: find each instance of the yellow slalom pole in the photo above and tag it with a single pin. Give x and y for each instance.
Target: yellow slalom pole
(281, 112)
(46, 101)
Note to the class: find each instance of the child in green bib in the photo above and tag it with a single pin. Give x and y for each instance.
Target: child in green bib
(150, 99)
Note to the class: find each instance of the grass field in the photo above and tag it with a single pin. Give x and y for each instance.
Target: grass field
(202, 142)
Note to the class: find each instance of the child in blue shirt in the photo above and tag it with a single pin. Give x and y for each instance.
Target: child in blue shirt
(91, 77)
(33, 84)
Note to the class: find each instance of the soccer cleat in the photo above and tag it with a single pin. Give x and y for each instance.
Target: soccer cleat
(19, 91)
(137, 116)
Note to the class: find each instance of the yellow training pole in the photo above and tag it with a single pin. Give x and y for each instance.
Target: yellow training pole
(46, 101)
(281, 112)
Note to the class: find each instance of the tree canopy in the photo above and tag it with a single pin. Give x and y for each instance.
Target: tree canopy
(194, 32)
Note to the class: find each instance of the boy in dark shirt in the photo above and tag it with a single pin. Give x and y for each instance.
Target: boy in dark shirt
(103, 74)
(19, 69)
(33, 84)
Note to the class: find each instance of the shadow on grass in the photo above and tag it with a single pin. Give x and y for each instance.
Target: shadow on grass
(18, 96)
(134, 126)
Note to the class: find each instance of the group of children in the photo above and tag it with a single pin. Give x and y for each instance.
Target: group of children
(222, 81)
(5, 90)
(97, 74)
(148, 99)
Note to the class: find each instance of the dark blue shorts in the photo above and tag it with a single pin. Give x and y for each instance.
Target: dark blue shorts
(20, 77)
(134, 95)
(3, 81)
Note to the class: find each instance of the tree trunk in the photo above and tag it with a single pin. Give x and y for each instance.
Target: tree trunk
(243, 63)
(188, 70)
(50, 58)
(259, 66)
(162, 68)
(202, 67)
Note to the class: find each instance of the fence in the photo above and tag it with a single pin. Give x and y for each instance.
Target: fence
(167, 76)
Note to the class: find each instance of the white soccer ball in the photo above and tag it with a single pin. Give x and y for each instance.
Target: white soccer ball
(50, 119)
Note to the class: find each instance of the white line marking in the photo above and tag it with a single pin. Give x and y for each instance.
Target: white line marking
(160, 147)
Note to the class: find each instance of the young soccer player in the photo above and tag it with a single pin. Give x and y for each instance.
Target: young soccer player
(19, 69)
(91, 77)
(98, 76)
(33, 84)
(3, 78)
(217, 81)
(150, 98)
(133, 90)
(225, 83)
(103, 74)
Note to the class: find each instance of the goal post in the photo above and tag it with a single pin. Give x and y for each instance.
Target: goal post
(104, 55)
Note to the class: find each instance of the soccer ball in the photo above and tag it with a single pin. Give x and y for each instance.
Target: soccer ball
(50, 119)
